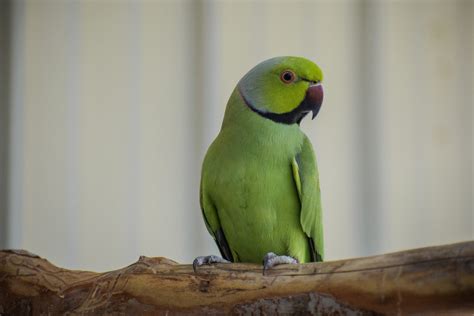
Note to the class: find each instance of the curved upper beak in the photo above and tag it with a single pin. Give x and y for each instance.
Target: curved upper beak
(314, 98)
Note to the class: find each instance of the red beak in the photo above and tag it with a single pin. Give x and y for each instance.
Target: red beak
(314, 98)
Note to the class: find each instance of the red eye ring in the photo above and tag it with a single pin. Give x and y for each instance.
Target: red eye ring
(287, 76)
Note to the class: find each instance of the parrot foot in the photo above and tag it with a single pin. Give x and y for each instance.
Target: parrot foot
(200, 261)
(270, 260)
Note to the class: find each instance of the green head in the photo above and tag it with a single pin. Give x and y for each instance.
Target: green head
(283, 89)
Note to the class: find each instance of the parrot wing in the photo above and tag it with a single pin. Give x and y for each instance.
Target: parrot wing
(213, 225)
(306, 176)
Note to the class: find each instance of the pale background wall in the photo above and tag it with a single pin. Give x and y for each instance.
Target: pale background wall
(4, 114)
(113, 104)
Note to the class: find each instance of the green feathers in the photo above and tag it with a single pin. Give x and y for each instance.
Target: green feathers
(259, 183)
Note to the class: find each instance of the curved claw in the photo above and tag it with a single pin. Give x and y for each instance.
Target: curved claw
(271, 259)
(200, 261)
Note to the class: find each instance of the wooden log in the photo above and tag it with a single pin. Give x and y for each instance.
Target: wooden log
(427, 280)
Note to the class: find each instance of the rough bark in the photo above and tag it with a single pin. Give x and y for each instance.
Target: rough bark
(426, 280)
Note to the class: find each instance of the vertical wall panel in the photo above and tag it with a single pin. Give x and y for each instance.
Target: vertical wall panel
(466, 15)
(72, 131)
(5, 48)
(105, 134)
(44, 126)
(15, 175)
(369, 81)
(170, 218)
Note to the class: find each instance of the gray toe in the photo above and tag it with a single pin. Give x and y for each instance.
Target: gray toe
(200, 261)
(271, 260)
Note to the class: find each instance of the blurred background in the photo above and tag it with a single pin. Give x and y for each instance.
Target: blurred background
(107, 109)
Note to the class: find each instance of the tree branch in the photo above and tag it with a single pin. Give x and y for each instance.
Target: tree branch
(422, 280)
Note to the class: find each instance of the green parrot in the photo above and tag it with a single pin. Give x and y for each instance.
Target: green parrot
(260, 194)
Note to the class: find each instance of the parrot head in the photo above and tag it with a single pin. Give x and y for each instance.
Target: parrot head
(283, 89)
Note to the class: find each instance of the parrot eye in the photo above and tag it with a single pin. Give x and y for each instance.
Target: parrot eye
(288, 76)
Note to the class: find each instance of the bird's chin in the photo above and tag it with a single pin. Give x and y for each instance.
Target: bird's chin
(302, 115)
